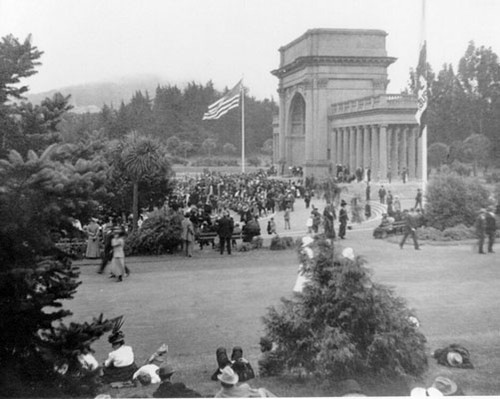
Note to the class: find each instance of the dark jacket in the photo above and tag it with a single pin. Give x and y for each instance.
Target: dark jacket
(225, 227)
(177, 390)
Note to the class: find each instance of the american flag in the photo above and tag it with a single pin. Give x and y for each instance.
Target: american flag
(223, 105)
(422, 89)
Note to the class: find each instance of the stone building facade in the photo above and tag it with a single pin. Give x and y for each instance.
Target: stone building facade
(333, 107)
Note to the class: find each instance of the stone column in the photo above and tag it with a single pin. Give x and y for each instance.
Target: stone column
(352, 149)
(403, 149)
(412, 153)
(359, 147)
(383, 152)
(366, 146)
(339, 146)
(375, 154)
(396, 132)
(345, 157)
(416, 131)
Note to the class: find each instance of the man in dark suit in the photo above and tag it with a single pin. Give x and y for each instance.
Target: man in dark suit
(225, 227)
(411, 224)
(490, 227)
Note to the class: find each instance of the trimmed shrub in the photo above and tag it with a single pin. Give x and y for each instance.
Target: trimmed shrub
(279, 243)
(159, 234)
(454, 200)
(254, 161)
(215, 162)
(343, 324)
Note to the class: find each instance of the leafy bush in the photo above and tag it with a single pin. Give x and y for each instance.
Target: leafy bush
(279, 243)
(493, 178)
(215, 162)
(159, 234)
(254, 161)
(454, 200)
(456, 233)
(343, 324)
(175, 160)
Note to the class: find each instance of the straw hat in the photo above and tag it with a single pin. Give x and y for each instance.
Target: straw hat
(445, 385)
(228, 376)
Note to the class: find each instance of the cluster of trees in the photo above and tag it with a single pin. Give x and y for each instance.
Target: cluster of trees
(45, 184)
(464, 109)
(174, 117)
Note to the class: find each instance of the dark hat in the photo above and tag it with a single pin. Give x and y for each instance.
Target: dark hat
(343, 203)
(222, 358)
(116, 338)
(165, 371)
(237, 353)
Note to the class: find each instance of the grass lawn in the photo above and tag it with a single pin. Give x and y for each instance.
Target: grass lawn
(196, 305)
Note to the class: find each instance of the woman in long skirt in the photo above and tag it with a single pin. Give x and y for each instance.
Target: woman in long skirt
(118, 261)
(93, 240)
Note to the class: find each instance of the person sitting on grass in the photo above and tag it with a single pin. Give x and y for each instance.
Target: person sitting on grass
(241, 366)
(148, 374)
(167, 389)
(120, 365)
(228, 379)
(222, 361)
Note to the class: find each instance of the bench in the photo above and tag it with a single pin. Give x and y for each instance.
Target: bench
(208, 237)
(389, 229)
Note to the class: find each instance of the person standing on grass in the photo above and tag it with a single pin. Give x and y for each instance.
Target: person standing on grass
(187, 234)
(411, 224)
(418, 199)
(481, 229)
(491, 227)
(343, 218)
(118, 261)
(225, 228)
(381, 194)
(287, 218)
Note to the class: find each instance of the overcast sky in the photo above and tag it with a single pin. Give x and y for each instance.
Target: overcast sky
(96, 40)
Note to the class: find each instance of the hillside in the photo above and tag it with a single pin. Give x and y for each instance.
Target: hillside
(90, 97)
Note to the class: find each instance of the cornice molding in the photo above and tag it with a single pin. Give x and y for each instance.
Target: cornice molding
(303, 62)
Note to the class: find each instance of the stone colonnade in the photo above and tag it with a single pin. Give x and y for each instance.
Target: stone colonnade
(380, 148)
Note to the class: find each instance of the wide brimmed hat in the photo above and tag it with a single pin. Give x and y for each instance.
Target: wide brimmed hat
(228, 376)
(307, 241)
(445, 385)
(343, 203)
(165, 371)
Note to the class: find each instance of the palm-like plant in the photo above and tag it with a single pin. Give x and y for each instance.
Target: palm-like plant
(141, 156)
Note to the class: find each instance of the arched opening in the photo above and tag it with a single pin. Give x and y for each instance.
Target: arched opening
(297, 131)
(298, 116)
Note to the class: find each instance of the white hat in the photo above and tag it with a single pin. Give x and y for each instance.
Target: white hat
(228, 376)
(454, 358)
(445, 385)
(416, 392)
(307, 241)
(348, 253)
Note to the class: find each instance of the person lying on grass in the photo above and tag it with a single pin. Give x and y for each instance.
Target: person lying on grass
(229, 380)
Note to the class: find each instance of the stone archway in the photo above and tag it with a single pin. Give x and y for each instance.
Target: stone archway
(297, 130)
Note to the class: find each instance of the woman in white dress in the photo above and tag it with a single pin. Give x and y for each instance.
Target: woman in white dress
(304, 274)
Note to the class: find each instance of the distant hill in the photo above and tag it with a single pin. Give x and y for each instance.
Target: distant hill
(90, 97)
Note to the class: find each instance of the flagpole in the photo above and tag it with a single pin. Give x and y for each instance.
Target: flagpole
(423, 39)
(242, 93)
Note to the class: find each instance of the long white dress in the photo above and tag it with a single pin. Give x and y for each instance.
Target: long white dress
(303, 276)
